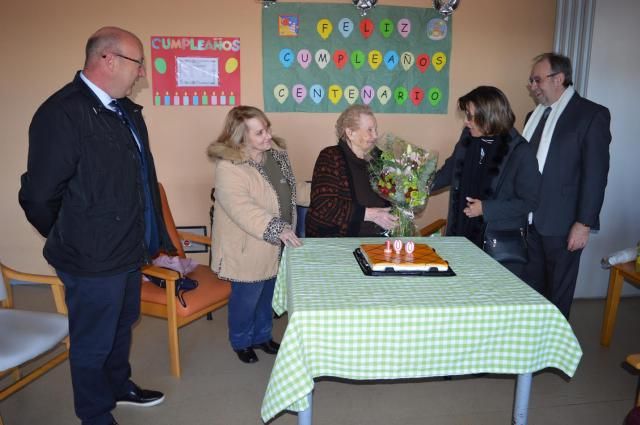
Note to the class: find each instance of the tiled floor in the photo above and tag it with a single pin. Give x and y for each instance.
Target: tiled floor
(217, 389)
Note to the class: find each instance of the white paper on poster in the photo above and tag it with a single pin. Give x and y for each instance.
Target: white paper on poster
(192, 72)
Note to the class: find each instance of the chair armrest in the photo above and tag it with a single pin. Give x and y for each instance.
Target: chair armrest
(438, 225)
(202, 239)
(161, 272)
(634, 360)
(57, 287)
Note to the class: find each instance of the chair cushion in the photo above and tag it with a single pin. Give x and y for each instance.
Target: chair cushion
(210, 290)
(24, 335)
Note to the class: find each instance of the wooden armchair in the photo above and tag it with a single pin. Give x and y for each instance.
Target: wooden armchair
(30, 339)
(634, 361)
(211, 293)
(440, 226)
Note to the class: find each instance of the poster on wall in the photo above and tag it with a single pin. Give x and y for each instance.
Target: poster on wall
(195, 71)
(323, 57)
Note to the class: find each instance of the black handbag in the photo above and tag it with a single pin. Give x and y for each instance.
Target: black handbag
(506, 246)
(183, 284)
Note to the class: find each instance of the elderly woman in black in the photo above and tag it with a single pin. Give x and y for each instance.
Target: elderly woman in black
(492, 175)
(342, 200)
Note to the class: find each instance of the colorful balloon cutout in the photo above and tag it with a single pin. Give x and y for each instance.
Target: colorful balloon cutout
(416, 95)
(391, 59)
(322, 58)
(350, 94)
(422, 62)
(438, 60)
(231, 65)
(160, 65)
(340, 58)
(367, 93)
(324, 28)
(299, 92)
(366, 27)
(316, 93)
(281, 92)
(286, 57)
(304, 58)
(375, 59)
(335, 93)
(407, 60)
(357, 59)
(400, 94)
(434, 95)
(345, 26)
(386, 27)
(404, 27)
(384, 94)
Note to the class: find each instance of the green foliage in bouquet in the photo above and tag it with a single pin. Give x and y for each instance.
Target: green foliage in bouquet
(402, 175)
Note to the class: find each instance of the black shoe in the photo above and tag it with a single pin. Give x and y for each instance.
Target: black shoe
(269, 347)
(247, 355)
(139, 397)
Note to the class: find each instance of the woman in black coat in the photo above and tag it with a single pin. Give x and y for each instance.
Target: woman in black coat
(492, 175)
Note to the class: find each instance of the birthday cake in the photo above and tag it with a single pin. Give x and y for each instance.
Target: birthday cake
(381, 257)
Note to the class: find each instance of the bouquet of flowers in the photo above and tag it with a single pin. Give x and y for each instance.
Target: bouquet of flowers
(402, 175)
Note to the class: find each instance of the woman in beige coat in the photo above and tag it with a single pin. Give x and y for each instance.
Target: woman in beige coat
(254, 217)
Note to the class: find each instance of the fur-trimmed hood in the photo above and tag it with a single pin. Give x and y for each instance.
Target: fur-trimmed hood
(218, 151)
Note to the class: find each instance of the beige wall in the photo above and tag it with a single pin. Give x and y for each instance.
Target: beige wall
(42, 44)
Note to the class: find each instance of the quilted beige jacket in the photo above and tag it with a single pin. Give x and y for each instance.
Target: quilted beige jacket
(246, 221)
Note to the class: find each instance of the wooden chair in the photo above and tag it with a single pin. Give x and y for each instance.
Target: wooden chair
(617, 275)
(30, 340)
(211, 293)
(440, 226)
(634, 361)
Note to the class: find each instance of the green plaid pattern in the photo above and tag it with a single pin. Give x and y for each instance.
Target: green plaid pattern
(345, 324)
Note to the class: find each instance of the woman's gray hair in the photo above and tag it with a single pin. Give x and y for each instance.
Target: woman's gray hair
(350, 119)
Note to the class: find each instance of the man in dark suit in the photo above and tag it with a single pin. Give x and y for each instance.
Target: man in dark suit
(571, 135)
(90, 188)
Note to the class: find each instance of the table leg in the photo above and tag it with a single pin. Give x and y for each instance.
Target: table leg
(611, 306)
(304, 417)
(521, 407)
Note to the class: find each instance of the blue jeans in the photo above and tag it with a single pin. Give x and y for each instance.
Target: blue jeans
(250, 314)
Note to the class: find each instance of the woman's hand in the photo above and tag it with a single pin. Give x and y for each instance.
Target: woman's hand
(382, 217)
(474, 207)
(289, 238)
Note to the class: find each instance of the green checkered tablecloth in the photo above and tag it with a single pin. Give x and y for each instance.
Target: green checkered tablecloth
(345, 324)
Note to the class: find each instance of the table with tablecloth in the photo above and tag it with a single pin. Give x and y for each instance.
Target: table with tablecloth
(342, 323)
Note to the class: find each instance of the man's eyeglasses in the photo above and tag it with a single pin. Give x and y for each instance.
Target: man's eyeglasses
(140, 62)
(538, 80)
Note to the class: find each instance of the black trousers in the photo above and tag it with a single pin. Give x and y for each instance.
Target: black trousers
(552, 269)
(102, 311)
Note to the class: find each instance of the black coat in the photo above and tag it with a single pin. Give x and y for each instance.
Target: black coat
(83, 189)
(514, 185)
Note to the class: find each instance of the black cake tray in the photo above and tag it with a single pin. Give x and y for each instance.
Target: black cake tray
(366, 269)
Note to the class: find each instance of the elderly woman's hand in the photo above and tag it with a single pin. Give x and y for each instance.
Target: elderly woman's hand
(382, 217)
(289, 238)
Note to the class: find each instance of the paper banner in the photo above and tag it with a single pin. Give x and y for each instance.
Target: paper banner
(196, 71)
(328, 57)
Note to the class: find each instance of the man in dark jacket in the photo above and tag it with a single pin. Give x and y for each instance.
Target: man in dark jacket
(91, 190)
(571, 136)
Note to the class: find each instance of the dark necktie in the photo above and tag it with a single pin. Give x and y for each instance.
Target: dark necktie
(151, 234)
(537, 133)
(125, 119)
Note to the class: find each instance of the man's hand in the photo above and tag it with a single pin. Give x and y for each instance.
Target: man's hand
(578, 236)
